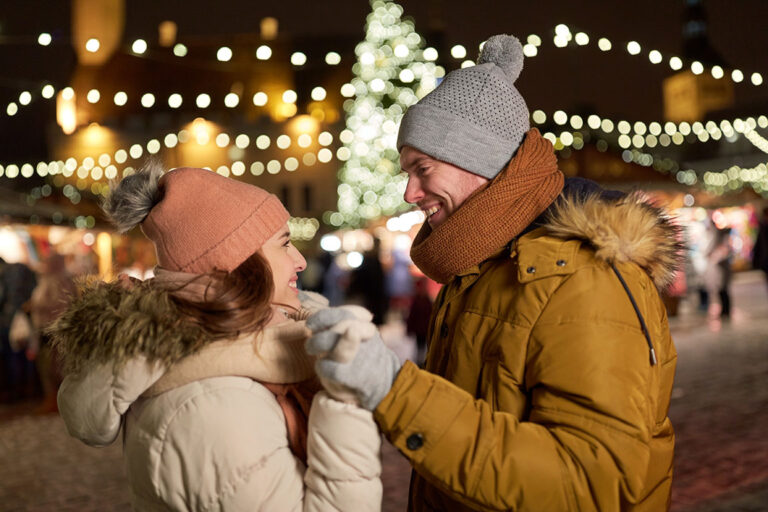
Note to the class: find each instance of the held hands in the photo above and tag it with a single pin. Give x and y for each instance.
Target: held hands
(353, 361)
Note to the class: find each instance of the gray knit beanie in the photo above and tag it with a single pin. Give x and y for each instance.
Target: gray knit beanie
(475, 119)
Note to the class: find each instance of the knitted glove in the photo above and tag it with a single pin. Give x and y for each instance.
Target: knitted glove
(352, 357)
(312, 302)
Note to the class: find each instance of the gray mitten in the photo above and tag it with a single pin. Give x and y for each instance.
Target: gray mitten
(312, 302)
(351, 354)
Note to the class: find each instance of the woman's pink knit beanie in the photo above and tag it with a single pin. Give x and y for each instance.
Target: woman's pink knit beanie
(198, 220)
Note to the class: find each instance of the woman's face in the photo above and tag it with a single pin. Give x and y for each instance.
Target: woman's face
(286, 262)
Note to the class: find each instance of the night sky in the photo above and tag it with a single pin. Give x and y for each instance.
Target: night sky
(612, 84)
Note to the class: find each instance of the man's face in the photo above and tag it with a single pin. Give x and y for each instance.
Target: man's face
(437, 187)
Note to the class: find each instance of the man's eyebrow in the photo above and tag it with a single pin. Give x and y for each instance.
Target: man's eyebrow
(418, 160)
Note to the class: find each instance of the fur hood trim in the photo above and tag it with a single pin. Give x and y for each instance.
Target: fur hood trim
(108, 323)
(624, 230)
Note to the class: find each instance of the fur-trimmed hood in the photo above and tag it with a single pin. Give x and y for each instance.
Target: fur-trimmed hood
(627, 229)
(110, 323)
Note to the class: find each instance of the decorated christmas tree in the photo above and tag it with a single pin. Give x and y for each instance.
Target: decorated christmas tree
(392, 72)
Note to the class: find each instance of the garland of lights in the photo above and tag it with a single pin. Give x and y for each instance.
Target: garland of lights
(388, 61)
(562, 38)
(105, 169)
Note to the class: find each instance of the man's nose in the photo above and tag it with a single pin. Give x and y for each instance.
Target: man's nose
(413, 193)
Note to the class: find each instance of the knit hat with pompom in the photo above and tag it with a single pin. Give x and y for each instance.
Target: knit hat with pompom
(198, 220)
(475, 119)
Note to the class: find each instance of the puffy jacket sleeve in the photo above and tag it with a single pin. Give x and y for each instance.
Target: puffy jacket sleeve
(584, 445)
(92, 403)
(344, 465)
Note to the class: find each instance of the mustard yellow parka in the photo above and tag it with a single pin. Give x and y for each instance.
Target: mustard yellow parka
(540, 393)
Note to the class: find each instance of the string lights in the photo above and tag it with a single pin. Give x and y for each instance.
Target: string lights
(393, 70)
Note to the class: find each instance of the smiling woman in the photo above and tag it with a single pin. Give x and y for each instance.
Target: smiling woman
(208, 359)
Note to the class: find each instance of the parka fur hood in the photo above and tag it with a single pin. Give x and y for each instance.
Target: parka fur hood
(628, 229)
(109, 323)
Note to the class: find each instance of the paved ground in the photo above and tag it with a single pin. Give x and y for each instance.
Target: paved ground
(720, 412)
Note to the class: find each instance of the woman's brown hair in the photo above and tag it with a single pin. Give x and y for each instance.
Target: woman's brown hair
(239, 303)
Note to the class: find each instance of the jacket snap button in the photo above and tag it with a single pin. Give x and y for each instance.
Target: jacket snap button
(531, 270)
(444, 330)
(560, 263)
(414, 441)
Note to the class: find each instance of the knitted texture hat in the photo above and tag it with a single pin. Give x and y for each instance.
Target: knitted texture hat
(198, 220)
(475, 119)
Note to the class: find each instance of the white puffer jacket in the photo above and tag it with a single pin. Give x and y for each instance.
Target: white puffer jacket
(203, 435)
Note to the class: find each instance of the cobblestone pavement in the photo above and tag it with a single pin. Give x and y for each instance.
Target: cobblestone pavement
(719, 408)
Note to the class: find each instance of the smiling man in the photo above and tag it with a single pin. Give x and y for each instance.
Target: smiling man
(550, 362)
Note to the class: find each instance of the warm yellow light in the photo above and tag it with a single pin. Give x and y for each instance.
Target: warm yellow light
(44, 39)
(166, 33)
(104, 253)
(260, 99)
(175, 100)
(231, 100)
(633, 47)
(92, 45)
(304, 124)
(203, 100)
(263, 52)
(268, 28)
(458, 52)
(66, 110)
(224, 54)
(94, 135)
(139, 46)
(318, 94)
(289, 96)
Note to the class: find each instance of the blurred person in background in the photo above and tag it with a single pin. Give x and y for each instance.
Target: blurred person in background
(718, 274)
(203, 366)
(417, 322)
(17, 373)
(760, 250)
(367, 285)
(54, 291)
(399, 283)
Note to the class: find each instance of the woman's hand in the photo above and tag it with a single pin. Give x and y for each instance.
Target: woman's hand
(352, 358)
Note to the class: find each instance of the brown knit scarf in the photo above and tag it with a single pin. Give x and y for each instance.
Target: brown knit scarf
(494, 215)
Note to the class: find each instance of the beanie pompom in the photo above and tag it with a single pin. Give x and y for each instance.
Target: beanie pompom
(133, 198)
(506, 52)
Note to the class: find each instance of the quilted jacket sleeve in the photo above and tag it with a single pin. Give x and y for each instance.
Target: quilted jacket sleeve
(585, 444)
(344, 466)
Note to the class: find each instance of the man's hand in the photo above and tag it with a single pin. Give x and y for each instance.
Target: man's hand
(352, 357)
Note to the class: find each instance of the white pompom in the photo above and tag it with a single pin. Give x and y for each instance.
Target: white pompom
(506, 52)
